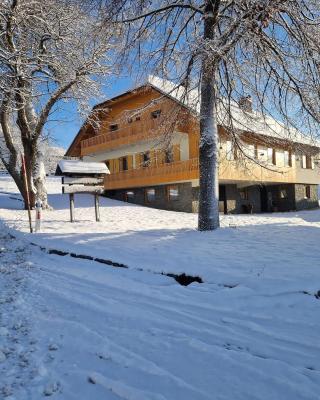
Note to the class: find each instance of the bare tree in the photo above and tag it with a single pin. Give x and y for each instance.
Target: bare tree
(227, 50)
(50, 51)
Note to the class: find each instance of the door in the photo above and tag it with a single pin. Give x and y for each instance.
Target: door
(222, 199)
(264, 198)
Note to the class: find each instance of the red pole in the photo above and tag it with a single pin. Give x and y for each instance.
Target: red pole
(24, 171)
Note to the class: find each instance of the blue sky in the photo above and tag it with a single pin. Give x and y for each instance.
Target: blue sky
(65, 123)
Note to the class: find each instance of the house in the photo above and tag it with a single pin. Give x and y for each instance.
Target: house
(149, 137)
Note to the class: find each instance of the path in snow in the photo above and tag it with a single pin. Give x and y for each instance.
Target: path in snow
(90, 331)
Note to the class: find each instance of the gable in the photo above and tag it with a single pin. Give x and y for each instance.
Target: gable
(116, 109)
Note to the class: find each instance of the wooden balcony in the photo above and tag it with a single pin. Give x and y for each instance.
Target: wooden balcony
(189, 170)
(130, 134)
(154, 175)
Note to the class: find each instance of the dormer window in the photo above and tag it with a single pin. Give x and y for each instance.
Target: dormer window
(156, 114)
(113, 127)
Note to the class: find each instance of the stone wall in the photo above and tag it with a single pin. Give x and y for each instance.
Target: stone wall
(237, 205)
(283, 197)
(280, 203)
(162, 201)
(301, 201)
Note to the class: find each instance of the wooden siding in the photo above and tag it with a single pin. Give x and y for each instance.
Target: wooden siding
(133, 133)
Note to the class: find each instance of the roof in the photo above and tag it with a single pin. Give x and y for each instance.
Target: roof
(81, 167)
(253, 122)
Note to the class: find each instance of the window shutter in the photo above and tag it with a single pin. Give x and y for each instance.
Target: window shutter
(176, 152)
(160, 157)
(229, 150)
(111, 163)
(304, 161)
(138, 160)
(130, 162)
(251, 151)
(153, 158)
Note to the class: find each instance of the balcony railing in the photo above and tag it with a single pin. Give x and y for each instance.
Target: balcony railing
(133, 132)
(189, 170)
(164, 173)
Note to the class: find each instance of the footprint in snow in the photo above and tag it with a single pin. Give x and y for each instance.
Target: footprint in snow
(51, 388)
(53, 347)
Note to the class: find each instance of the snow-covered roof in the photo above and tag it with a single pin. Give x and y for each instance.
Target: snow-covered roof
(81, 167)
(251, 122)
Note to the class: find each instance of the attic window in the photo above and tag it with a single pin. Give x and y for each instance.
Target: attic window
(156, 114)
(113, 127)
(138, 118)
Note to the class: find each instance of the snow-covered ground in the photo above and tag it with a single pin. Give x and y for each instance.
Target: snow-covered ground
(77, 329)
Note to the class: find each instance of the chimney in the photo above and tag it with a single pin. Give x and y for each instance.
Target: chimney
(245, 103)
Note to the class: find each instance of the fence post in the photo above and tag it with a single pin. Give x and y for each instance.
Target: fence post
(96, 207)
(71, 198)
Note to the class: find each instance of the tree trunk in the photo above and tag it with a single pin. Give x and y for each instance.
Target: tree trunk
(208, 150)
(40, 181)
(29, 157)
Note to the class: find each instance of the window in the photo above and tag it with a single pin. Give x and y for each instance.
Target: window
(124, 164)
(244, 194)
(149, 195)
(146, 159)
(130, 120)
(283, 193)
(169, 155)
(287, 159)
(129, 195)
(271, 156)
(172, 193)
(307, 192)
(262, 153)
(303, 161)
(156, 114)
(138, 118)
(309, 162)
(113, 127)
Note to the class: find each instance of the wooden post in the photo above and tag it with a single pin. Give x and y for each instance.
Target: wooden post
(24, 171)
(96, 207)
(71, 198)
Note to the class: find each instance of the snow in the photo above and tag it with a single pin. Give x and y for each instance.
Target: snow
(81, 167)
(253, 122)
(77, 329)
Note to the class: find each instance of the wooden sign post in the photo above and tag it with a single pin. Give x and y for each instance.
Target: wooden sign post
(96, 207)
(72, 185)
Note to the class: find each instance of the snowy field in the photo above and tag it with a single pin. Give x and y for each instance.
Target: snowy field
(77, 329)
